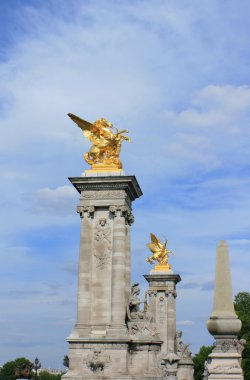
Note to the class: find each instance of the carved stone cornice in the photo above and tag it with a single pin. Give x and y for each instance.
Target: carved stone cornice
(86, 211)
(162, 279)
(128, 184)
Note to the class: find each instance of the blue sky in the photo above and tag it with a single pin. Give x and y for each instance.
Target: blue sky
(176, 74)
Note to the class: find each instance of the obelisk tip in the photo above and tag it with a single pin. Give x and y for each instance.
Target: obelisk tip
(222, 243)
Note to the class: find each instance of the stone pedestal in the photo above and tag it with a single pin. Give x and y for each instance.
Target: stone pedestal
(224, 361)
(98, 344)
(162, 294)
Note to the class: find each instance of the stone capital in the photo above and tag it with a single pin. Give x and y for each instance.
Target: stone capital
(171, 293)
(122, 211)
(86, 211)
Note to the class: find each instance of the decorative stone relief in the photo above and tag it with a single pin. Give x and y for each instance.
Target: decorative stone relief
(103, 194)
(239, 344)
(225, 346)
(142, 328)
(105, 346)
(225, 369)
(86, 210)
(162, 309)
(97, 361)
(102, 243)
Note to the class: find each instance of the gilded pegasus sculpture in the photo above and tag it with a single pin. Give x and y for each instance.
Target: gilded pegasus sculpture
(159, 253)
(104, 153)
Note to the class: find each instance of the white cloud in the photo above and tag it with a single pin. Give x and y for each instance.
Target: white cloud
(214, 107)
(59, 201)
(184, 323)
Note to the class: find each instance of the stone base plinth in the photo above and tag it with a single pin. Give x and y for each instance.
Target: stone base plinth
(224, 361)
(114, 359)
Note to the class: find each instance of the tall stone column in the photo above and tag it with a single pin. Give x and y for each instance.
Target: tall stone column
(98, 344)
(224, 325)
(84, 269)
(162, 291)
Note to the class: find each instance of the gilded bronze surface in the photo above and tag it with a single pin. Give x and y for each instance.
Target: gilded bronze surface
(160, 253)
(104, 153)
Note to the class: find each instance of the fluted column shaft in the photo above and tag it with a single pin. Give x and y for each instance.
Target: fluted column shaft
(84, 268)
(119, 285)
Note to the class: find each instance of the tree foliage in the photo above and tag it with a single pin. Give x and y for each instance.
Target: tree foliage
(242, 308)
(199, 360)
(44, 375)
(7, 372)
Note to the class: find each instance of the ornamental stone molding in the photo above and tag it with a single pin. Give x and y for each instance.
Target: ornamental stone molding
(103, 194)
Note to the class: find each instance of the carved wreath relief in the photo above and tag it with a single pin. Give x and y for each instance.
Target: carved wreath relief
(97, 361)
(102, 243)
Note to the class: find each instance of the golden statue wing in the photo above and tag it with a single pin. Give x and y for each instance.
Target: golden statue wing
(91, 131)
(155, 245)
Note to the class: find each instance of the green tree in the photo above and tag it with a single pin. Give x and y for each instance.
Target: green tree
(44, 375)
(199, 360)
(7, 372)
(242, 308)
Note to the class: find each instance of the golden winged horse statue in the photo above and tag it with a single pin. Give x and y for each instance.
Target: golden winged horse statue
(104, 153)
(160, 253)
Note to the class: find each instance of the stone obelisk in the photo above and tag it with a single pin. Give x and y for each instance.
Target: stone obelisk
(224, 325)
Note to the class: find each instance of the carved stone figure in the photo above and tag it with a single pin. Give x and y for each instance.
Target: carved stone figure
(106, 147)
(139, 322)
(133, 306)
(182, 349)
(102, 243)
